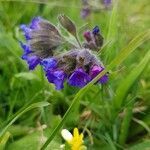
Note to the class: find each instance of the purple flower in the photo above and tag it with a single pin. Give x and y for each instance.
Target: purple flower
(107, 2)
(85, 12)
(87, 36)
(76, 65)
(33, 26)
(49, 63)
(79, 78)
(57, 77)
(94, 39)
(35, 23)
(103, 79)
(26, 31)
(32, 60)
(95, 71)
(25, 48)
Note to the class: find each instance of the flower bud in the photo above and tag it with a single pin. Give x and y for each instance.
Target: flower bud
(98, 40)
(67, 24)
(94, 40)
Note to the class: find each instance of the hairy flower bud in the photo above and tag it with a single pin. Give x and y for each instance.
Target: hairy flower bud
(94, 39)
(67, 24)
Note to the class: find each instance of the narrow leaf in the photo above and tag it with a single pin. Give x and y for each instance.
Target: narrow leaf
(3, 140)
(125, 123)
(35, 105)
(27, 76)
(145, 145)
(127, 83)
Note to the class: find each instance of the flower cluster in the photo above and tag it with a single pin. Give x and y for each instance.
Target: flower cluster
(42, 38)
(107, 3)
(86, 9)
(74, 141)
(77, 66)
(94, 40)
(88, 6)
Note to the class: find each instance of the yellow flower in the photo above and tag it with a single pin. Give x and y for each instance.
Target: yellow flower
(75, 141)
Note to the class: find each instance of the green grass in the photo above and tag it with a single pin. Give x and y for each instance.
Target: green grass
(32, 110)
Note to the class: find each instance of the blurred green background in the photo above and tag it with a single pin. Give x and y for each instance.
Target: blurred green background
(21, 88)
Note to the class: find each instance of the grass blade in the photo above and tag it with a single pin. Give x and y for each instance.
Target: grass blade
(35, 105)
(144, 123)
(125, 123)
(137, 41)
(131, 78)
(3, 140)
(144, 145)
(112, 31)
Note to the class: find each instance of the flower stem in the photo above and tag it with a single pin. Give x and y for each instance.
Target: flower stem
(76, 37)
(60, 124)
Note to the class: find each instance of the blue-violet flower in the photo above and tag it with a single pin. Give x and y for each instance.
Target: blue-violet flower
(79, 78)
(77, 66)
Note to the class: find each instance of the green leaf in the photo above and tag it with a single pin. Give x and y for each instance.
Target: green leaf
(112, 31)
(3, 140)
(143, 125)
(110, 142)
(125, 52)
(113, 22)
(127, 83)
(34, 141)
(145, 145)
(32, 106)
(27, 76)
(125, 123)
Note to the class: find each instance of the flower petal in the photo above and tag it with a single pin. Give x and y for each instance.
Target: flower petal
(66, 135)
(96, 30)
(79, 78)
(57, 77)
(95, 71)
(49, 63)
(25, 48)
(32, 61)
(26, 31)
(75, 133)
(103, 79)
(35, 23)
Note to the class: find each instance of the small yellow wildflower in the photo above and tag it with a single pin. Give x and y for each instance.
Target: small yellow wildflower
(75, 141)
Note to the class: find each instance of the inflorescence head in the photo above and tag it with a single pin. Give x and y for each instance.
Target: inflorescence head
(77, 67)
